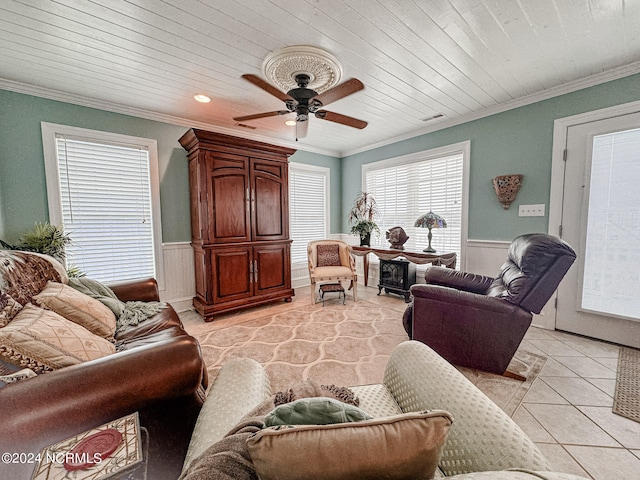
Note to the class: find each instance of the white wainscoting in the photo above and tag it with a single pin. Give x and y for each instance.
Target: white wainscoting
(179, 276)
(485, 257)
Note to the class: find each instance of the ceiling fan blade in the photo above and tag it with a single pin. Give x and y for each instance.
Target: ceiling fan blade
(301, 129)
(339, 91)
(261, 115)
(339, 118)
(267, 87)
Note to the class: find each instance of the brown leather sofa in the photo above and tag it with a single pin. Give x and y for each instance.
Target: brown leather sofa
(158, 371)
(478, 321)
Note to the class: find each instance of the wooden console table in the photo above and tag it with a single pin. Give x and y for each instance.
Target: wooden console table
(445, 259)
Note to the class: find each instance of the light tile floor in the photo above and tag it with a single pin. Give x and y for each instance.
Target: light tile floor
(567, 411)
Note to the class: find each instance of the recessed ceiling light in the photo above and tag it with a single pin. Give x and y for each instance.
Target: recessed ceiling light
(291, 123)
(202, 98)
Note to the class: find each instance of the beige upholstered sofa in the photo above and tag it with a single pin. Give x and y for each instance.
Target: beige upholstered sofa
(483, 442)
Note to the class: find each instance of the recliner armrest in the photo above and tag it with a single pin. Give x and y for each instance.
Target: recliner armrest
(462, 299)
(447, 277)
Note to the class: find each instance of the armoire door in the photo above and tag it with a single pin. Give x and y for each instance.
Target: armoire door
(228, 198)
(232, 273)
(272, 267)
(269, 200)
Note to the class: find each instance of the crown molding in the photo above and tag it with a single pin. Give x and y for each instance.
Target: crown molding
(82, 101)
(570, 87)
(71, 98)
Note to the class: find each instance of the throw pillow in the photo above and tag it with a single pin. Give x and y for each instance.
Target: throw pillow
(43, 341)
(315, 411)
(328, 255)
(24, 274)
(401, 447)
(79, 308)
(9, 308)
(17, 376)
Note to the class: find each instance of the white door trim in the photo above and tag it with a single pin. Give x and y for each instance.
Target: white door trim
(560, 133)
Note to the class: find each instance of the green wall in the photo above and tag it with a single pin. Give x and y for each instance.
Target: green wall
(516, 141)
(23, 196)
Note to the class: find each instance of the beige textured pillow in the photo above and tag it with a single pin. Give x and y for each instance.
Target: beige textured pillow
(9, 308)
(406, 446)
(79, 308)
(42, 340)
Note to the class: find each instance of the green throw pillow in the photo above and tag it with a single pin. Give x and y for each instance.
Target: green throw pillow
(315, 411)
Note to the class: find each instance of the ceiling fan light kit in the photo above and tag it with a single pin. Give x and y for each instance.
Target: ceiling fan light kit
(310, 78)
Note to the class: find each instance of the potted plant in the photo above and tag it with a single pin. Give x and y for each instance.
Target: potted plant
(47, 239)
(361, 217)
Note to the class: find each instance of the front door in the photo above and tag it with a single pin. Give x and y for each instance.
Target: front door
(600, 296)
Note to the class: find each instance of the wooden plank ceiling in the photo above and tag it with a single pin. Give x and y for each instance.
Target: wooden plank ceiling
(461, 59)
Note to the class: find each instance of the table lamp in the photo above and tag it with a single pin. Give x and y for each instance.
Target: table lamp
(430, 220)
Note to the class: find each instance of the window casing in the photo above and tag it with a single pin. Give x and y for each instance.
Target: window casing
(407, 187)
(308, 207)
(103, 188)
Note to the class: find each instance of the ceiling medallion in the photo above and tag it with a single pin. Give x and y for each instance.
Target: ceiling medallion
(282, 66)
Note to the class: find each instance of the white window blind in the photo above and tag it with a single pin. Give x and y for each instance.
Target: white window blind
(405, 191)
(308, 208)
(106, 208)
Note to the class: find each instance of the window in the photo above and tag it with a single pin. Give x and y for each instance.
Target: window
(410, 186)
(308, 207)
(103, 189)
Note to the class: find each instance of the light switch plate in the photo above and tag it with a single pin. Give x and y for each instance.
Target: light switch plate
(536, 210)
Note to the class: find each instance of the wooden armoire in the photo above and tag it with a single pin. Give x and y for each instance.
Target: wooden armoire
(239, 194)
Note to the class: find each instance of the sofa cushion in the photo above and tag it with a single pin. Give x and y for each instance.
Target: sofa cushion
(9, 308)
(43, 341)
(328, 255)
(406, 446)
(79, 308)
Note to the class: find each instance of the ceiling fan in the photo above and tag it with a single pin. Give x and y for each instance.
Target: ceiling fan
(304, 101)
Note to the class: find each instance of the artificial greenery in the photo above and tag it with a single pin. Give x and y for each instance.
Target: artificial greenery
(362, 215)
(46, 239)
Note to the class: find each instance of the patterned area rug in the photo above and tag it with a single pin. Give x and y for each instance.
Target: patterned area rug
(626, 400)
(341, 345)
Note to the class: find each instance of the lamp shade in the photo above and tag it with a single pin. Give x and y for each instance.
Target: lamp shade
(430, 220)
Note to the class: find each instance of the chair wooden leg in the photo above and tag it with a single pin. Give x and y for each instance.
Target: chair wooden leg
(313, 293)
(355, 290)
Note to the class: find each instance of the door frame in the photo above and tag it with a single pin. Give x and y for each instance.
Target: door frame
(560, 134)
